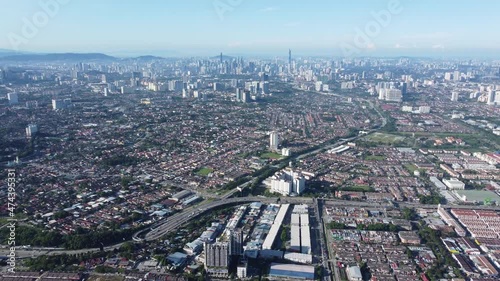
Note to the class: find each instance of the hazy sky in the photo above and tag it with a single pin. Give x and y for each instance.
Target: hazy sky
(203, 27)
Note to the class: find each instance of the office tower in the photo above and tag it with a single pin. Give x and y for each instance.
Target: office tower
(75, 74)
(218, 86)
(246, 96)
(454, 96)
(264, 84)
(175, 85)
(31, 130)
(265, 87)
(239, 94)
(404, 90)
(289, 61)
(13, 98)
(491, 97)
(216, 254)
(447, 76)
(457, 76)
(236, 245)
(273, 141)
(56, 104)
(221, 60)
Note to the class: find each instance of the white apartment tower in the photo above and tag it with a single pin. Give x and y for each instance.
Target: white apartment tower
(273, 141)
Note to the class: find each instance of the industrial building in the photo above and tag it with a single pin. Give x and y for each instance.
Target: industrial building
(454, 183)
(295, 271)
(300, 230)
(273, 232)
(354, 273)
(181, 195)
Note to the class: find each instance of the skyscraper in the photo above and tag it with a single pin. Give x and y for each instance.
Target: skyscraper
(221, 60)
(289, 61)
(239, 94)
(454, 96)
(491, 97)
(31, 130)
(273, 141)
(265, 83)
(404, 90)
(236, 244)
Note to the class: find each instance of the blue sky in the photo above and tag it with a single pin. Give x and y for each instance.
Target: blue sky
(204, 27)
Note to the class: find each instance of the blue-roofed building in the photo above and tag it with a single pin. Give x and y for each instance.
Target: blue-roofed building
(293, 271)
(177, 259)
(256, 205)
(194, 247)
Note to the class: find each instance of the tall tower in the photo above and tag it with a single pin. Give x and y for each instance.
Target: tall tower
(236, 242)
(217, 254)
(289, 61)
(273, 141)
(491, 97)
(221, 58)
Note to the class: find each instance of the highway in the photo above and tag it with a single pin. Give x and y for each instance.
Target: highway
(177, 220)
(33, 252)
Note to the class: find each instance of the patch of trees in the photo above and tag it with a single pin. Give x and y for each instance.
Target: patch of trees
(62, 262)
(123, 160)
(409, 214)
(81, 239)
(434, 199)
(432, 238)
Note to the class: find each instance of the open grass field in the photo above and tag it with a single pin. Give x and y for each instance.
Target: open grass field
(375, 158)
(385, 138)
(270, 155)
(204, 171)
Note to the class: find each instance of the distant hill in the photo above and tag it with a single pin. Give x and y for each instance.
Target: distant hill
(6, 52)
(149, 58)
(58, 57)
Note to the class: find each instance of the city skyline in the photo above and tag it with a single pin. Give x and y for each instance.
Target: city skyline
(330, 28)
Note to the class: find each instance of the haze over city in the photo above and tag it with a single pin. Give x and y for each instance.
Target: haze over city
(206, 27)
